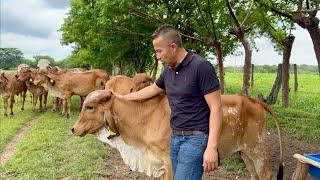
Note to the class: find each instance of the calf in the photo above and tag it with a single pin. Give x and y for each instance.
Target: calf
(9, 87)
(64, 85)
(27, 76)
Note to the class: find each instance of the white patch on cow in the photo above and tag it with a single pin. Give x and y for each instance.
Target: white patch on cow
(53, 91)
(227, 111)
(138, 159)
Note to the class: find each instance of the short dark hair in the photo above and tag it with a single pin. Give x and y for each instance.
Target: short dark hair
(170, 34)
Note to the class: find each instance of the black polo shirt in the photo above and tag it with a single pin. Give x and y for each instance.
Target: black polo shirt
(185, 87)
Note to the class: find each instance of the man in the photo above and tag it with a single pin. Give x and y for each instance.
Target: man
(193, 92)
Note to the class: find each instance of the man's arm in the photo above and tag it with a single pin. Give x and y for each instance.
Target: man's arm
(210, 157)
(142, 94)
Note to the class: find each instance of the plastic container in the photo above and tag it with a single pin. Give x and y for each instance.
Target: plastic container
(314, 171)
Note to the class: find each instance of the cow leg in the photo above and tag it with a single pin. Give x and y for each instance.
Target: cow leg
(260, 161)
(68, 99)
(54, 104)
(34, 102)
(168, 169)
(64, 105)
(11, 104)
(23, 99)
(40, 100)
(5, 102)
(45, 97)
(250, 166)
(81, 102)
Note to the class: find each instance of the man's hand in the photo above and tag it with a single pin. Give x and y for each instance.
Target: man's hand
(210, 160)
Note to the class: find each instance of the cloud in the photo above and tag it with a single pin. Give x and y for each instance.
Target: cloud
(57, 3)
(302, 51)
(32, 26)
(30, 17)
(31, 46)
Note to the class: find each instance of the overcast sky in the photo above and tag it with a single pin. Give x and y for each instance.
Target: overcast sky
(32, 26)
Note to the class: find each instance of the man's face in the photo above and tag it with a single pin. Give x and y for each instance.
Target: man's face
(165, 52)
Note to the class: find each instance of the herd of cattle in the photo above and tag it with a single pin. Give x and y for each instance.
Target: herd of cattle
(142, 128)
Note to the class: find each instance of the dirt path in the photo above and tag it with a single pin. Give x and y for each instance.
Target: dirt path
(117, 170)
(12, 145)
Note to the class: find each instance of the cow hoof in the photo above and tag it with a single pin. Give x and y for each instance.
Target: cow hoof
(68, 116)
(22, 109)
(5, 114)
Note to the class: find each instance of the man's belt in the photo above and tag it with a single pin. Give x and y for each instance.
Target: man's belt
(186, 133)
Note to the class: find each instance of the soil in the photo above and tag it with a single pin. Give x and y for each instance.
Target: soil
(12, 145)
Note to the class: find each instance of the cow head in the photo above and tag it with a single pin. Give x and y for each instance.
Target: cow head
(92, 117)
(141, 81)
(41, 76)
(24, 74)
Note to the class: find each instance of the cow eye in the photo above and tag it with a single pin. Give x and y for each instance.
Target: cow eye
(90, 107)
(144, 81)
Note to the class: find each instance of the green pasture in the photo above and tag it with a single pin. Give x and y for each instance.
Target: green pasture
(50, 151)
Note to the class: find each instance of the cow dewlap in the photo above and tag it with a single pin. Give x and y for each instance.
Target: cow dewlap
(141, 160)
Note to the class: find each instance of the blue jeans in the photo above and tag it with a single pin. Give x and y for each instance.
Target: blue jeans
(186, 153)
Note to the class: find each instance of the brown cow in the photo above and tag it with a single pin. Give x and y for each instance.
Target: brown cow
(65, 84)
(121, 83)
(141, 81)
(144, 131)
(27, 76)
(9, 87)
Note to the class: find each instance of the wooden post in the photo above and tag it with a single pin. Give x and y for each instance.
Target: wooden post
(272, 98)
(252, 69)
(295, 78)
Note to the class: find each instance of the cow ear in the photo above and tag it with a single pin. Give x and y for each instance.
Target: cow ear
(106, 99)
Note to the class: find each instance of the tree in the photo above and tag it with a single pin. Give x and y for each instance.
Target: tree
(304, 16)
(10, 57)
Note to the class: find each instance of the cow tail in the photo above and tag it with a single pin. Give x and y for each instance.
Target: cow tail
(275, 118)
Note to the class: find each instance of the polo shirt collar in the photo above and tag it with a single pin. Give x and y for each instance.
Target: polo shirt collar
(186, 61)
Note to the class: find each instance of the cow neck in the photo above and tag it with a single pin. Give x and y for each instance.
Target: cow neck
(115, 119)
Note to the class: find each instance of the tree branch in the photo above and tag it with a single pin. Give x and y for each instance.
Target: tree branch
(276, 11)
(204, 21)
(191, 37)
(233, 15)
(212, 22)
(248, 14)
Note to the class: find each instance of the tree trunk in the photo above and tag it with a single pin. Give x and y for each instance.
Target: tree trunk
(247, 65)
(217, 46)
(272, 98)
(295, 77)
(252, 70)
(311, 23)
(239, 32)
(154, 69)
(287, 43)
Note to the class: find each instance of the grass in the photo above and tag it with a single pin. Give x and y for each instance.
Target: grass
(10, 125)
(50, 151)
